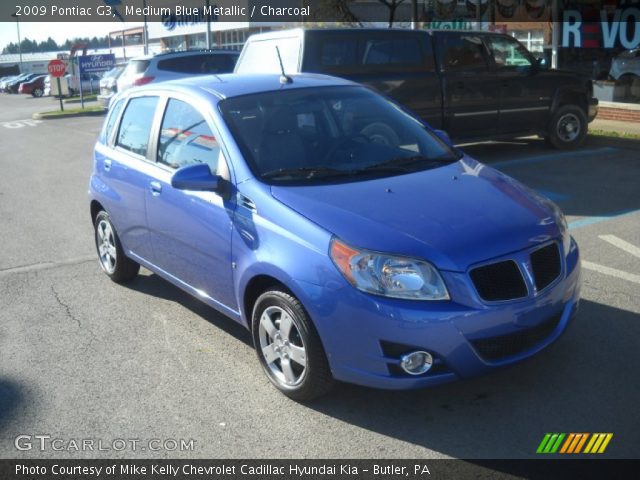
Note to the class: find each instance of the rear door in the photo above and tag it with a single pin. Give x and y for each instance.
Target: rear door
(191, 231)
(398, 64)
(471, 92)
(126, 171)
(525, 97)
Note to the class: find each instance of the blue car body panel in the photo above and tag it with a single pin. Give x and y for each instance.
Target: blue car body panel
(456, 216)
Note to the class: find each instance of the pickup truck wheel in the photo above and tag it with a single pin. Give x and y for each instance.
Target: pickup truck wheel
(568, 127)
(113, 261)
(288, 346)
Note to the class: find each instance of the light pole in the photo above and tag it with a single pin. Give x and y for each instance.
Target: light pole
(19, 41)
(144, 32)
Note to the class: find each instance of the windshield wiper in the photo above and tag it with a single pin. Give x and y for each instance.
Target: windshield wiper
(306, 172)
(403, 163)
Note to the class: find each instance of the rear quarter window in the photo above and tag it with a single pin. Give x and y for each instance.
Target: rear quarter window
(112, 117)
(135, 126)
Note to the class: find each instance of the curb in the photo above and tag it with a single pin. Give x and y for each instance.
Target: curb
(44, 116)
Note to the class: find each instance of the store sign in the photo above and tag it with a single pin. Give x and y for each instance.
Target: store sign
(622, 28)
(97, 63)
(453, 25)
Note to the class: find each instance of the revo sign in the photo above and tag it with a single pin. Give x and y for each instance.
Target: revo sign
(56, 68)
(97, 63)
(622, 28)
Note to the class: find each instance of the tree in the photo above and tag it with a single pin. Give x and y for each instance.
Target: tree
(392, 5)
(334, 11)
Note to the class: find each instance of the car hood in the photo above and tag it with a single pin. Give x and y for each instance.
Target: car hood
(454, 216)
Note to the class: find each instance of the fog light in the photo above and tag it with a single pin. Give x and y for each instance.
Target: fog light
(416, 363)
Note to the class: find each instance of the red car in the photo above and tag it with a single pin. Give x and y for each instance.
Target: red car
(35, 86)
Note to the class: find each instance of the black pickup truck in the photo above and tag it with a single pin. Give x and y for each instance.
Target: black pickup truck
(474, 85)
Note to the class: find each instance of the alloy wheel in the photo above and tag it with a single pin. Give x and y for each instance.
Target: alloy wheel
(106, 243)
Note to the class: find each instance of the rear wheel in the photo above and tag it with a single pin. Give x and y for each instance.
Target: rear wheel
(37, 92)
(113, 261)
(568, 127)
(288, 346)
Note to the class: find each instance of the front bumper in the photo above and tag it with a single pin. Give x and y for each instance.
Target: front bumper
(592, 109)
(364, 335)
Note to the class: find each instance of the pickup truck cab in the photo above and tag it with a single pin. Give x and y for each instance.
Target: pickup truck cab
(475, 85)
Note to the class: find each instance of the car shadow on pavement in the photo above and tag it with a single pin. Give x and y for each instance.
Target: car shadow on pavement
(585, 382)
(12, 398)
(156, 286)
(580, 181)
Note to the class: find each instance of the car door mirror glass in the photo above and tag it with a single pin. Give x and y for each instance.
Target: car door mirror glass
(196, 177)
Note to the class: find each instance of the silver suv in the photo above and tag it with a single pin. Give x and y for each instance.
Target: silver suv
(173, 65)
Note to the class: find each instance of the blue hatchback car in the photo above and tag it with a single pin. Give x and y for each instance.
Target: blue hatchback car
(354, 242)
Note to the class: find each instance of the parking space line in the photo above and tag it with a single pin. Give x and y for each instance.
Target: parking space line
(45, 265)
(612, 272)
(621, 244)
(586, 221)
(553, 156)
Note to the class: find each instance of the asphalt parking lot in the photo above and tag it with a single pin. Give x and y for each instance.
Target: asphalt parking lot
(84, 358)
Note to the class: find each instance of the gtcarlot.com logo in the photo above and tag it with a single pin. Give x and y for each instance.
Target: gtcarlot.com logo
(574, 443)
(46, 442)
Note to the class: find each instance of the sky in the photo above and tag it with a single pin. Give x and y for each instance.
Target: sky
(59, 31)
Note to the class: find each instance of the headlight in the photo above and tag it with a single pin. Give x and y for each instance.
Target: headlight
(388, 275)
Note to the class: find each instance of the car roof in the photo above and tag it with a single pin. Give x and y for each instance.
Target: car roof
(234, 85)
(183, 53)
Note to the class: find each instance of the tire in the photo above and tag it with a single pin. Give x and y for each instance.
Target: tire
(113, 261)
(37, 93)
(295, 342)
(568, 127)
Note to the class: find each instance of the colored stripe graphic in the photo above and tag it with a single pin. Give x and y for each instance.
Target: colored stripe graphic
(573, 443)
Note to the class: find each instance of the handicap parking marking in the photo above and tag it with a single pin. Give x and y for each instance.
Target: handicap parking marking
(548, 157)
(612, 272)
(621, 244)
(586, 221)
(21, 123)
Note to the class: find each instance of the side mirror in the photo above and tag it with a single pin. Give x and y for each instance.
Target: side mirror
(444, 136)
(542, 63)
(196, 177)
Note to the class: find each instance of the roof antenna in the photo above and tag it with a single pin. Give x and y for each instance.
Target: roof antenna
(284, 79)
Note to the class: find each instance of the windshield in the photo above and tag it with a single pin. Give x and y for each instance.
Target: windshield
(331, 133)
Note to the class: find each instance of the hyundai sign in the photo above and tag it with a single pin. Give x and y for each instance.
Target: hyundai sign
(97, 63)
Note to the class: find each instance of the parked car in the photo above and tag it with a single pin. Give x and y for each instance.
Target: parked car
(476, 85)
(109, 85)
(5, 80)
(90, 83)
(12, 86)
(34, 87)
(626, 66)
(174, 65)
(394, 264)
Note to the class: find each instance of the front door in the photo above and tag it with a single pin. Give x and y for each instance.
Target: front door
(191, 231)
(525, 96)
(471, 95)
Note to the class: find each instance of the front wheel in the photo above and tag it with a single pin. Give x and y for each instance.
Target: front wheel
(113, 261)
(568, 127)
(288, 346)
(37, 92)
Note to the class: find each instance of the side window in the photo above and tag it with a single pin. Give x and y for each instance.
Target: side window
(507, 52)
(185, 138)
(462, 53)
(336, 52)
(107, 128)
(135, 126)
(396, 51)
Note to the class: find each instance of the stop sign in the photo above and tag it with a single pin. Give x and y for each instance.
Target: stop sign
(56, 68)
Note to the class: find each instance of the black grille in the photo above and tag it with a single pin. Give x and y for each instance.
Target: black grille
(496, 348)
(545, 263)
(499, 281)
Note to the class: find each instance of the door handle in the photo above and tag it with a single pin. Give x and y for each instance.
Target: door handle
(107, 164)
(156, 188)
